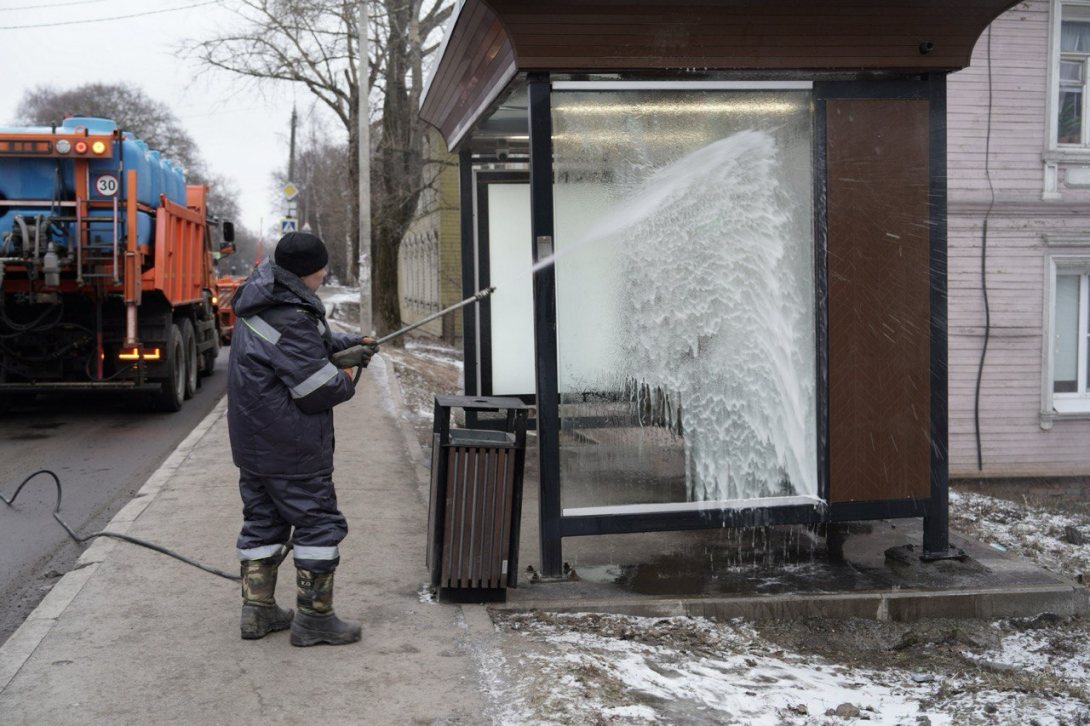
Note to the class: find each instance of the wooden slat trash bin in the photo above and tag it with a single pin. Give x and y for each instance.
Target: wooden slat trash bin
(476, 499)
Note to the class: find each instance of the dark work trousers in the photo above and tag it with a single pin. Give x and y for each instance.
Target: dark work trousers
(271, 507)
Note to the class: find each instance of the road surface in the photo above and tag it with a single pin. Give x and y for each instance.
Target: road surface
(103, 447)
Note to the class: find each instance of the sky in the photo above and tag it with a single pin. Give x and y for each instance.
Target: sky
(242, 132)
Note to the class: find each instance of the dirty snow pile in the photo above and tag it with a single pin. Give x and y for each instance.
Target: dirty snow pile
(626, 670)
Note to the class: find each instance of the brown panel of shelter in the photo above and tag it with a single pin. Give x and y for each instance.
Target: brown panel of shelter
(879, 308)
(492, 40)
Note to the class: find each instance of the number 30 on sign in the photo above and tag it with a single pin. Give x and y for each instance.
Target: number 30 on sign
(106, 185)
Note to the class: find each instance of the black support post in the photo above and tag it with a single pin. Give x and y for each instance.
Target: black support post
(545, 350)
(470, 348)
(821, 290)
(936, 524)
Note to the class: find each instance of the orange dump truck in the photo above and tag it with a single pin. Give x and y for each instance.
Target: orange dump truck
(106, 266)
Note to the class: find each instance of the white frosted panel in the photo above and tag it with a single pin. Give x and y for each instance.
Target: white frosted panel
(685, 296)
(512, 305)
(591, 276)
(1066, 359)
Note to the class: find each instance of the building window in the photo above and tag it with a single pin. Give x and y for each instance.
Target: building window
(1070, 340)
(1071, 119)
(1070, 336)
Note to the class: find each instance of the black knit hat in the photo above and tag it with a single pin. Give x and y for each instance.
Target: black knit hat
(301, 253)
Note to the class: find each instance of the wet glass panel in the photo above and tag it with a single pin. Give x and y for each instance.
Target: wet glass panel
(1065, 354)
(685, 296)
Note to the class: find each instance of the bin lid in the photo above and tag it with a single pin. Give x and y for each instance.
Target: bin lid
(481, 403)
(480, 437)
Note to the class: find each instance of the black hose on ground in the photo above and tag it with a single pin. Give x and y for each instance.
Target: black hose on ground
(123, 537)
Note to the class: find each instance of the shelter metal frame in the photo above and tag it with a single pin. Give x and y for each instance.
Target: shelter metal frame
(554, 523)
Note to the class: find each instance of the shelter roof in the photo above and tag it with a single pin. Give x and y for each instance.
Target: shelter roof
(490, 42)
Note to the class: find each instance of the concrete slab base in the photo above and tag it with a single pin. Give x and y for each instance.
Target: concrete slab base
(863, 570)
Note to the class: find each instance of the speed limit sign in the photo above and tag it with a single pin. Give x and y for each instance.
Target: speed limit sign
(107, 185)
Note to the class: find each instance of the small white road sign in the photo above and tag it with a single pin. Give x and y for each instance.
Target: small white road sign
(107, 185)
(288, 224)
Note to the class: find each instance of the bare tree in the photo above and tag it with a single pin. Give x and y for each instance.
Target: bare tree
(134, 111)
(314, 44)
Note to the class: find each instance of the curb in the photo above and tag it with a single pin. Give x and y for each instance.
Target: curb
(897, 606)
(389, 382)
(18, 648)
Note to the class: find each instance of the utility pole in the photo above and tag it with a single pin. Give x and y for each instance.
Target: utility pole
(290, 191)
(291, 152)
(363, 93)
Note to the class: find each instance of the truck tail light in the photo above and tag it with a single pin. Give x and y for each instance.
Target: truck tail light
(134, 354)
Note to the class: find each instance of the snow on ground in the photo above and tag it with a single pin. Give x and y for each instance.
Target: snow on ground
(434, 351)
(689, 670)
(1024, 529)
(627, 670)
(335, 295)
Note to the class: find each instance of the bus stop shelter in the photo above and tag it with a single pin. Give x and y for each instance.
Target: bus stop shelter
(718, 236)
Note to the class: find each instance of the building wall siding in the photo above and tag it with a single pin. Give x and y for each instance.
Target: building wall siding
(429, 259)
(1012, 439)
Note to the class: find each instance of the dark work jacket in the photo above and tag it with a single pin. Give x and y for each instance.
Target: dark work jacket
(281, 387)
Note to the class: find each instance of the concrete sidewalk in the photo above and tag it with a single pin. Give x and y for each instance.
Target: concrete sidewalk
(132, 637)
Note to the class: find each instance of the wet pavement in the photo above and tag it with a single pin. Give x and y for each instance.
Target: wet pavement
(785, 571)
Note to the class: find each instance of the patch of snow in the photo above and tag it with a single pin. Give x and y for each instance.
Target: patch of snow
(1024, 529)
(341, 296)
(739, 679)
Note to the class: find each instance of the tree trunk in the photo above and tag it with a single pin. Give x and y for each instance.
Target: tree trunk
(385, 299)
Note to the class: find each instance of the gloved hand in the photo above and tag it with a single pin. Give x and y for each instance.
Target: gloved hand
(358, 356)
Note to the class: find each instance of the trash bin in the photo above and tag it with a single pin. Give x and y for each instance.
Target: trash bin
(476, 500)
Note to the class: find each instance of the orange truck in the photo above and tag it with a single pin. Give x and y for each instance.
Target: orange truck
(226, 287)
(107, 279)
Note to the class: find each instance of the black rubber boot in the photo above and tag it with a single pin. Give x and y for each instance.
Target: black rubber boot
(260, 614)
(315, 623)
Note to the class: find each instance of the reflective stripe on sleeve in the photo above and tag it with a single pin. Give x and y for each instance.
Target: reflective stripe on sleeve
(321, 327)
(259, 553)
(315, 381)
(263, 329)
(316, 553)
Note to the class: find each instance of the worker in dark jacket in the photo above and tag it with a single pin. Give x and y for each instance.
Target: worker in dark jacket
(281, 390)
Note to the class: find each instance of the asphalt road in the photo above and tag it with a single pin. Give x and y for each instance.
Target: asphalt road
(103, 448)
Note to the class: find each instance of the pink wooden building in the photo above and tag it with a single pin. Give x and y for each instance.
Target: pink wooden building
(1019, 234)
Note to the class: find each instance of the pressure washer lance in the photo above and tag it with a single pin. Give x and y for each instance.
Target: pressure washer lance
(358, 355)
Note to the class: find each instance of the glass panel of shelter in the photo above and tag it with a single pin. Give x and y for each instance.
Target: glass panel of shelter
(685, 298)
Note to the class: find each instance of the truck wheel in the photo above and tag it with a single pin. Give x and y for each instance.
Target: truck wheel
(172, 389)
(208, 357)
(189, 345)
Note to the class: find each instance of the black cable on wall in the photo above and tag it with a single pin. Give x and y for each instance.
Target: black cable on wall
(984, 262)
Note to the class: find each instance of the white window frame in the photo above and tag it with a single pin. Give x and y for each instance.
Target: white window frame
(1066, 256)
(1055, 56)
(1055, 155)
